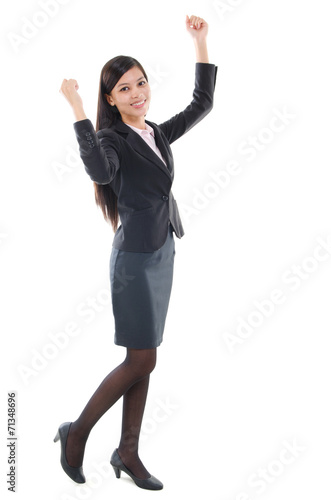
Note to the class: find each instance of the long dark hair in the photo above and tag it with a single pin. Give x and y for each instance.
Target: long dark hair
(111, 73)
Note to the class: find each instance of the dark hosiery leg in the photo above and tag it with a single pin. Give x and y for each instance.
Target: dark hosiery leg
(138, 364)
(133, 409)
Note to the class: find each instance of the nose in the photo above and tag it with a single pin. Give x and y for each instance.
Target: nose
(135, 94)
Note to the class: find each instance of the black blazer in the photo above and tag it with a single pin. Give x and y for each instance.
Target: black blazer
(142, 182)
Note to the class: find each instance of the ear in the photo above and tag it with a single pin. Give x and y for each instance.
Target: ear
(110, 100)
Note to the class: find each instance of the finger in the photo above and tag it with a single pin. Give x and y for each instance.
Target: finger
(72, 84)
(64, 81)
(195, 22)
(198, 23)
(68, 86)
(190, 21)
(202, 22)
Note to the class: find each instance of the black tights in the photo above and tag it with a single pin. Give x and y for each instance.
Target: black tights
(130, 379)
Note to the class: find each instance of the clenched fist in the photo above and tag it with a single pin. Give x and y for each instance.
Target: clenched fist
(197, 27)
(69, 90)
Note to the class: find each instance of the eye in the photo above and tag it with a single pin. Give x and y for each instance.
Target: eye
(123, 88)
(142, 82)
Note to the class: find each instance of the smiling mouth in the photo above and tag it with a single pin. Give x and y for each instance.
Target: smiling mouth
(139, 104)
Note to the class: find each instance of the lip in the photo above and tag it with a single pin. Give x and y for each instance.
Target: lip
(141, 105)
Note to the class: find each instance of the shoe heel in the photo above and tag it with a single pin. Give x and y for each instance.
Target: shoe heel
(57, 437)
(117, 471)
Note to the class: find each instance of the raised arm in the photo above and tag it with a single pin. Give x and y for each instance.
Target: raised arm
(198, 29)
(205, 80)
(69, 90)
(101, 160)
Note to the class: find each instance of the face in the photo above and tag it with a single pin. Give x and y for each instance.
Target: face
(131, 95)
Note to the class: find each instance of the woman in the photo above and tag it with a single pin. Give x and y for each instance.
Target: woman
(132, 178)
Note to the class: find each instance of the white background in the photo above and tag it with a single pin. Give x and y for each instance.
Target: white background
(230, 413)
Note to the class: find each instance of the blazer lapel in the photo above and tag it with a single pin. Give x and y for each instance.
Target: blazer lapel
(163, 147)
(142, 148)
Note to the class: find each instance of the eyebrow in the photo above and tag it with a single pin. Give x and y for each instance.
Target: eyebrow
(141, 78)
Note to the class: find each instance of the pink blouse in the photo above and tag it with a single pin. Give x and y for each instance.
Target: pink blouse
(148, 135)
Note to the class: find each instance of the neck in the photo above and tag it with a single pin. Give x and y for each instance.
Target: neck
(138, 123)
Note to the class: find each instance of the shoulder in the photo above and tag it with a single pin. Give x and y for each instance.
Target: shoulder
(108, 135)
(107, 132)
(110, 141)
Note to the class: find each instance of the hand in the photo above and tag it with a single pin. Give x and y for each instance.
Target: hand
(197, 27)
(69, 91)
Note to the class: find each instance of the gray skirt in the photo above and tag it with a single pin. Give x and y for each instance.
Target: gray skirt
(141, 285)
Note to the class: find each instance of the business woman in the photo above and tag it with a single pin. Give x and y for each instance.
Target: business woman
(130, 162)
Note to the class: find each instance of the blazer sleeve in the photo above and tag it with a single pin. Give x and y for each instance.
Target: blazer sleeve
(99, 153)
(200, 106)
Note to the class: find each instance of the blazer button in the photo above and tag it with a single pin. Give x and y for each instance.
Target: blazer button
(165, 198)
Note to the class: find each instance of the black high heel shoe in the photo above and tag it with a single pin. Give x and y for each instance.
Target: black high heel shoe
(75, 473)
(150, 483)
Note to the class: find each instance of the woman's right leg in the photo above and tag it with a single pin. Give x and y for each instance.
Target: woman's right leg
(138, 364)
(133, 410)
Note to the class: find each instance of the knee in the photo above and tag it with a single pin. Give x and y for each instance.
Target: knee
(147, 362)
(146, 368)
(150, 363)
(141, 361)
